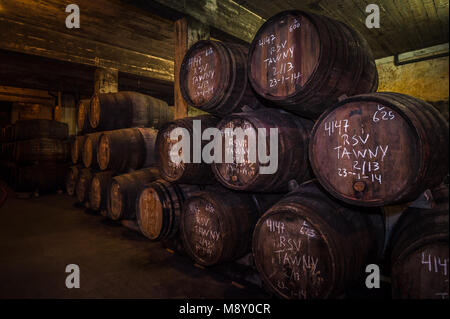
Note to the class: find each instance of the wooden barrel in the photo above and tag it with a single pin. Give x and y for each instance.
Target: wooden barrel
(9, 133)
(44, 178)
(111, 111)
(8, 172)
(380, 149)
(98, 189)
(213, 77)
(37, 128)
(124, 149)
(71, 179)
(292, 151)
(8, 151)
(419, 251)
(90, 147)
(304, 62)
(158, 208)
(41, 150)
(185, 173)
(83, 116)
(217, 224)
(83, 184)
(76, 148)
(310, 246)
(123, 191)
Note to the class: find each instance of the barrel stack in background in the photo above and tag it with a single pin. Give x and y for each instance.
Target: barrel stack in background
(35, 155)
(117, 133)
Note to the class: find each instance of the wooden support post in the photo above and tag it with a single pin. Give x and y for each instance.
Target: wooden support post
(106, 80)
(187, 32)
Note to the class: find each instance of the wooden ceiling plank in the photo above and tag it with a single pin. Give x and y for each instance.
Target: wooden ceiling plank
(52, 44)
(110, 22)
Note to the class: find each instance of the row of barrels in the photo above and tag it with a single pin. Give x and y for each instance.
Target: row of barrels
(35, 155)
(297, 61)
(40, 178)
(116, 150)
(33, 129)
(305, 244)
(37, 150)
(112, 111)
(350, 149)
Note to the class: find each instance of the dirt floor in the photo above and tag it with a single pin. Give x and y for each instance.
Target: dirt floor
(40, 236)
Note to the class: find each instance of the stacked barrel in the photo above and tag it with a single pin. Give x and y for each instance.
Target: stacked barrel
(35, 155)
(114, 153)
(293, 165)
(314, 219)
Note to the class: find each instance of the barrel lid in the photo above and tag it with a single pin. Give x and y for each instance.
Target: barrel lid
(94, 111)
(104, 151)
(243, 170)
(293, 256)
(81, 114)
(150, 213)
(87, 151)
(203, 74)
(202, 230)
(116, 201)
(365, 151)
(170, 170)
(284, 53)
(95, 193)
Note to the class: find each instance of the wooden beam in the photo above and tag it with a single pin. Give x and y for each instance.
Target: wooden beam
(35, 72)
(113, 35)
(187, 32)
(13, 94)
(224, 15)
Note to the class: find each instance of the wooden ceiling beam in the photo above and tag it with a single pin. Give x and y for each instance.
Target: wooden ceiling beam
(112, 35)
(225, 16)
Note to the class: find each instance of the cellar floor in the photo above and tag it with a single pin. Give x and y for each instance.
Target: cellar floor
(40, 236)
